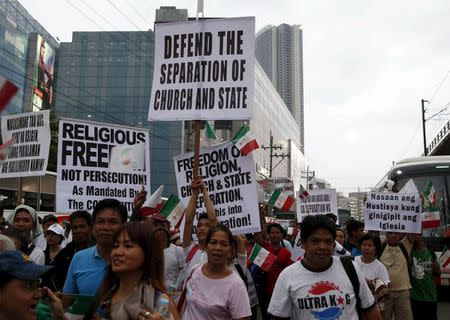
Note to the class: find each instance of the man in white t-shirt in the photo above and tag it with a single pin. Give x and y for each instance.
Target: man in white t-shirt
(318, 286)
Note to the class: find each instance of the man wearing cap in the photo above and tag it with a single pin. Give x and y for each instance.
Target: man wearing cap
(87, 268)
(19, 288)
(24, 218)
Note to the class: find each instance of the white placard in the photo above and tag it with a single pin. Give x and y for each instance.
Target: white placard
(396, 212)
(319, 201)
(297, 250)
(29, 154)
(98, 161)
(203, 70)
(230, 180)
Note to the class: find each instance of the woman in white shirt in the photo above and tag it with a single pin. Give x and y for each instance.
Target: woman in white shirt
(371, 267)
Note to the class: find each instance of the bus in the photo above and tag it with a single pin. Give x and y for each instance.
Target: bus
(423, 170)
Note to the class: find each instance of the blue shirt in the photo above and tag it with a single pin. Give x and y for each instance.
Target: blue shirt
(85, 273)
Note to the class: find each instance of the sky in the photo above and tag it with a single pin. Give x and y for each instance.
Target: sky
(367, 65)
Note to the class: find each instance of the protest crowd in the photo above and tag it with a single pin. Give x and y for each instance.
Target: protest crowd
(124, 253)
(106, 265)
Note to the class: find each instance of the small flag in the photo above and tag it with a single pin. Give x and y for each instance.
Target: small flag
(5, 149)
(430, 194)
(303, 194)
(153, 204)
(262, 257)
(173, 210)
(7, 91)
(267, 184)
(281, 200)
(245, 141)
(127, 157)
(209, 137)
(431, 218)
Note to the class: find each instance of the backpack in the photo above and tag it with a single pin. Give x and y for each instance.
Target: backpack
(347, 263)
(405, 254)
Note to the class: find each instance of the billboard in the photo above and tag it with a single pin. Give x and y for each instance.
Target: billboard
(43, 75)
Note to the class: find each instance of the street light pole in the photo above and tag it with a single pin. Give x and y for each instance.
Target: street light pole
(423, 127)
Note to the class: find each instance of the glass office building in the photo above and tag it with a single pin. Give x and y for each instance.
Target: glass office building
(107, 77)
(16, 24)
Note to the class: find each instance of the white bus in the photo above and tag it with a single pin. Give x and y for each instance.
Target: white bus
(423, 170)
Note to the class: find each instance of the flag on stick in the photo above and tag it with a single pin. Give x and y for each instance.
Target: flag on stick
(153, 204)
(430, 194)
(209, 137)
(173, 210)
(245, 141)
(431, 218)
(262, 257)
(7, 91)
(303, 194)
(281, 200)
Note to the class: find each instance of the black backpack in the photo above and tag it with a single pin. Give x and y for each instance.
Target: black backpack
(347, 263)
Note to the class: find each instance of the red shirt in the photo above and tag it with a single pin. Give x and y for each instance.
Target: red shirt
(283, 260)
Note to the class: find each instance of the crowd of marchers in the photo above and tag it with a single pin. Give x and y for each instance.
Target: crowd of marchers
(107, 265)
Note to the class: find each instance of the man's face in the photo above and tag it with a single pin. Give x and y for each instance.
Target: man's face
(107, 222)
(393, 238)
(202, 229)
(275, 235)
(23, 222)
(81, 231)
(358, 234)
(319, 248)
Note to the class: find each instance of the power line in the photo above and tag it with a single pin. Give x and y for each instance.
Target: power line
(120, 121)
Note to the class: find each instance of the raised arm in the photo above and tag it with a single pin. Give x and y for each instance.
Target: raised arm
(138, 201)
(261, 236)
(209, 206)
(190, 212)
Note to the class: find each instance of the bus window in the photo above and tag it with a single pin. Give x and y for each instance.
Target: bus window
(441, 197)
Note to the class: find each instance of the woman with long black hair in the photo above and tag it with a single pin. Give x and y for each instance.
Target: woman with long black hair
(133, 286)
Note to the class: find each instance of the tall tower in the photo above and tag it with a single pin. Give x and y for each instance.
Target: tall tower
(279, 50)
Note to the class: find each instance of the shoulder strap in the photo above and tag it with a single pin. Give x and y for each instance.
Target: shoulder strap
(241, 273)
(349, 268)
(30, 249)
(405, 253)
(191, 253)
(383, 246)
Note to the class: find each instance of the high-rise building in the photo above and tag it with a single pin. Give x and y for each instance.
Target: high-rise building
(356, 204)
(16, 52)
(279, 50)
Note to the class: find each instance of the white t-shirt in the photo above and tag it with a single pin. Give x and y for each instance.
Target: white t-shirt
(173, 263)
(215, 299)
(373, 270)
(199, 257)
(306, 295)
